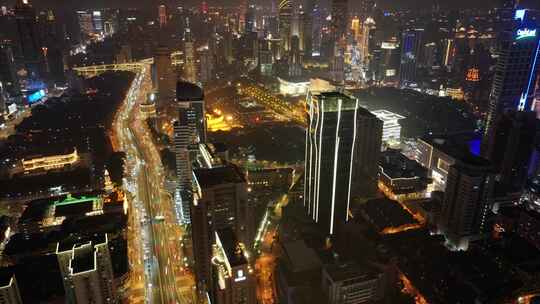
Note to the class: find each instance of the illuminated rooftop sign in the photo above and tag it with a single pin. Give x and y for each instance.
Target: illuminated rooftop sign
(525, 33)
(520, 14)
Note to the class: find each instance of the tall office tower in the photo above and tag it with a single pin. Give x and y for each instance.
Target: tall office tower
(97, 22)
(207, 66)
(234, 279)
(250, 18)
(189, 129)
(9, 290)
(87, 271)
(448, 53)
(295, 58)
(165, 78)
(28, 40)
(337, 64)
(367, 27)
(340, 18)
(505, 15)
(410, 54)
(265, 58)
(228, 47)
(515, 75)
(343, 145)
(468, 195)
(285, 20)
(162, 14)
(220, 202)
(190, 70)
(307, 28)
(8, 73)
(317, 31)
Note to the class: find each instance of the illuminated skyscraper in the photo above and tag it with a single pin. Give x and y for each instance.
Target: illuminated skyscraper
(306, 24)
(285, 18)
(190, 71)
(189, 130)
(340, 18)
(410, 54)
(343, 143)
(515, 75)
(162, 14)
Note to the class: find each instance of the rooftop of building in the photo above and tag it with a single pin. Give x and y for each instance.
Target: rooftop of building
(231, 247)
(66, 205)
(77, 240)
(300, 257)
(349, 270)
(211, 177)
(48, 151)
(457, 147)
(386, 115)
(385, 213)
(83, 259)
(186, 91)
(396, 165)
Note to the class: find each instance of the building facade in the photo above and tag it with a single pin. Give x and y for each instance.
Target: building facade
(343, 144)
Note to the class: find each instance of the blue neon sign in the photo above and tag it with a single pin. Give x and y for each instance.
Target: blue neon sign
(525, 33)
(36, 96)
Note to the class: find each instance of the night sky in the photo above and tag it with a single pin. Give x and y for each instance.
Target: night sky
(386, 4)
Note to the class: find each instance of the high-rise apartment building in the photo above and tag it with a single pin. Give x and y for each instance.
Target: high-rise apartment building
(235, 282)
(467, 199)
(343, 143)
(87, 271)
(220, 202)
(410, 55)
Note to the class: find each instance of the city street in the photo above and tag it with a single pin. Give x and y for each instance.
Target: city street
(158, 272)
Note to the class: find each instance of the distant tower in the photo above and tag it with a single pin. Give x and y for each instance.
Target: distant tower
(107, 185)
(190, 71)
(165, 78)
(340, 18)
(285, 23)
(29, 45)
(162, 13)
(410, 54)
